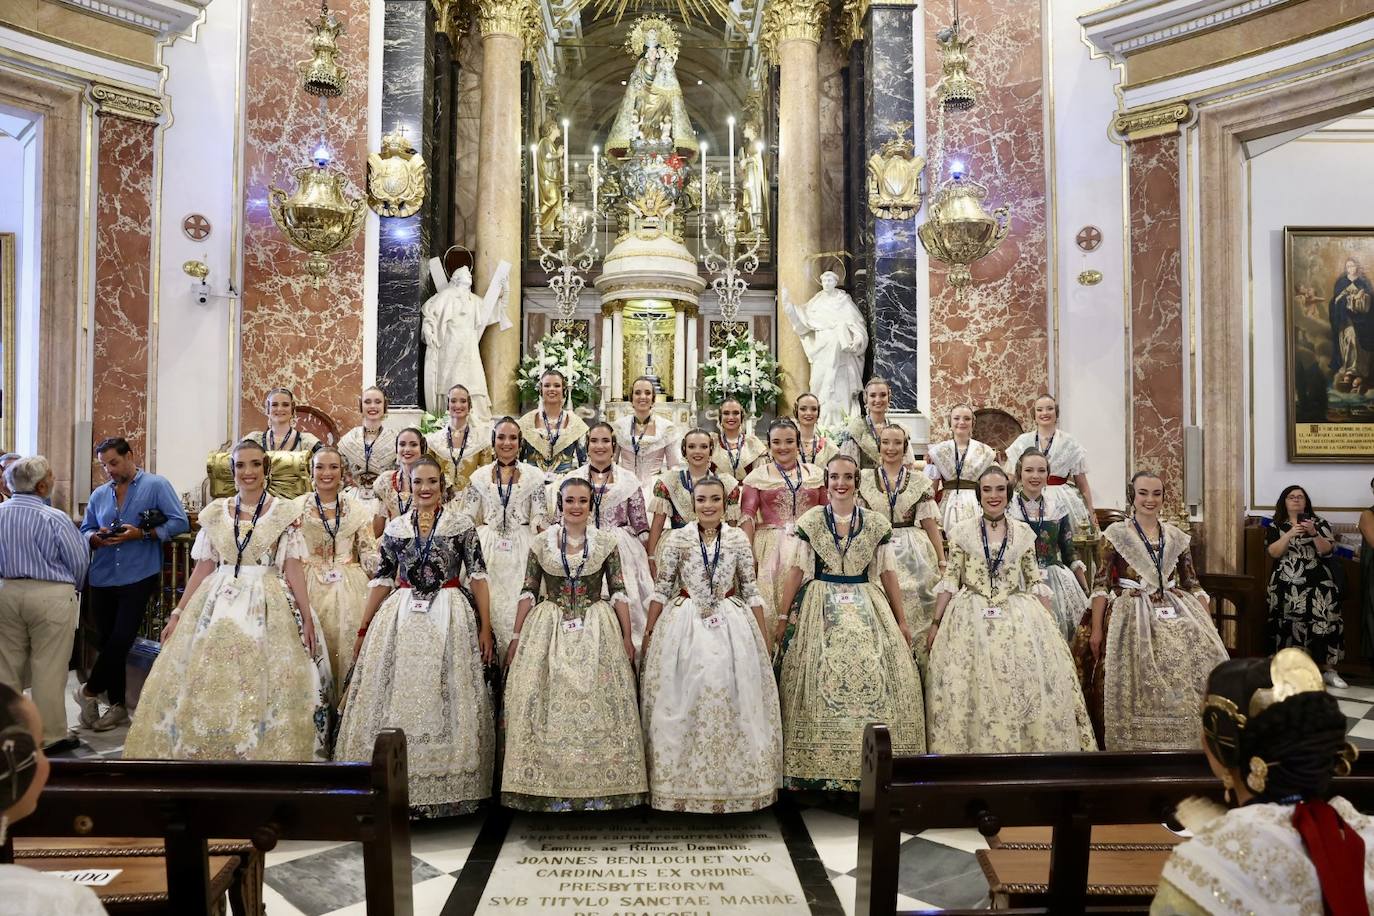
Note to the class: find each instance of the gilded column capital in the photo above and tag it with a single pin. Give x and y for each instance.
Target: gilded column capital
(1153, 121)
(451, 18)
(788, 20)
(519, 18)
(125, 103)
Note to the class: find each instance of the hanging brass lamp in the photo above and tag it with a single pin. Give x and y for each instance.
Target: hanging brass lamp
(319, 217)
(959, 231)
(321, 74)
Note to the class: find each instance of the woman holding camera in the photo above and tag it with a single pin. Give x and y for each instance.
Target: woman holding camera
(1304, 601)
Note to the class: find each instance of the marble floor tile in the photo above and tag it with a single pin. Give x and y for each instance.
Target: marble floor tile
(1362, 694)
(945, 876)
(845, 887)
(277, 905)
(289, 850)
(965, 838)
(323, 882)
(835, 837)
(1354, 709)
(445, 844)
(428, 898)
(1363, 729)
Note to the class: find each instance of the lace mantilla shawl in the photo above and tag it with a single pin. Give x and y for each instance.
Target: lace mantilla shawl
(217, 531)
(857, 432)
(532, 431)
(876, 531)
(1126, 542)
(979, 458)
(1055, 508)
(678, 504)
(1066, 457)
(623, 487)
(1252, 860)
(665, 435)
(682, 568)
(481, 501)
(813, 477)
(752, 450)
(355, 529)
(451, 524)
(915, 501)
(353, 448)
(968, 567)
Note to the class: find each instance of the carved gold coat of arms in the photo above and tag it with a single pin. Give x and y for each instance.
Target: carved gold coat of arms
(395, 177)
(894, 180)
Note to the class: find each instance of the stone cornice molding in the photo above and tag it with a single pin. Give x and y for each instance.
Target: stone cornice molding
(789, 20)
(1133, 25)
(164, 17)
(1155, 121)
(122, 103)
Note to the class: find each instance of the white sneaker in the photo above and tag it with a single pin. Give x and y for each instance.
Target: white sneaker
(114, 717)
(90, 707)
(1333, 679)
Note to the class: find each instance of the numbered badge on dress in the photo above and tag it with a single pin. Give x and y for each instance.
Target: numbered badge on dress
(419, 605)
(573, 626)
(333, 575)
(1166, 612)
(846, 595)
(505, 545)
(229, 593)
(992, 613)
(715, 621)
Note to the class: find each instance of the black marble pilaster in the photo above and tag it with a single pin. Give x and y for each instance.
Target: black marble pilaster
(408, 64)
(882, 98)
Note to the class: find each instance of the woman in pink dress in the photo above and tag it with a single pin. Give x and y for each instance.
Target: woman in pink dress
(772, 497)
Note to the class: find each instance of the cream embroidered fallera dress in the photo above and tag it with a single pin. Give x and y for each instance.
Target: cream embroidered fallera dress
(843, 661)
(235, 681)
(570, 718)
(363, 463)
(737, 459)
(506, 531)
(671, 498)
(913, 555)
(645, 456)
(296, 440)
(461, 452)
(959, 497)
(709, 703)
(336, 573)
(1066, 458)
(420, 669)
(860, 442)
(1253, 860)
(1001, 678)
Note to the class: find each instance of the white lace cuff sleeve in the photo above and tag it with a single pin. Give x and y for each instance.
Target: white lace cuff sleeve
(204, 548)
(1078, 566)
(886, 562)
(1201, 595)
(932, 471)
(620, 597)
(292, 546)
(1041, 590)
(478, 576)
(661, 598)
(381, 583)
(925, 509)
(525, 596)
(1100, 593)
(756, 600)
(659, 506)
(947, 586)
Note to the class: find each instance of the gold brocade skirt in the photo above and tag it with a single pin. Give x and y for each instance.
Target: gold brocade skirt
(339, 607)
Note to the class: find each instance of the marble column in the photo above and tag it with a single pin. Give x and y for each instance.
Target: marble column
(882, 99)
(405, 242)
(501, 24)
(123, 284)
(795, 28)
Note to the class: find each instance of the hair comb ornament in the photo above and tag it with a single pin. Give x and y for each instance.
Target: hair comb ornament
(1292, 672)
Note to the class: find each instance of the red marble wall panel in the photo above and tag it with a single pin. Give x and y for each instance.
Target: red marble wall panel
(1156, 309)
(308, 339)
(123, 280)
(991, 349)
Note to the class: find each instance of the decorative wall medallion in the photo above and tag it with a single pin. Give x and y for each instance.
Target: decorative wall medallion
(1088, 238)
(1090, 277)
(396, 177)
(196, 227)
(894, 178)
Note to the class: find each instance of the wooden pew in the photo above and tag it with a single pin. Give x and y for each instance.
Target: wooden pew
(187, 803)
(1070, 792)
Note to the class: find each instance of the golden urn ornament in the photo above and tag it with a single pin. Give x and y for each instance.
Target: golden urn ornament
(319, 218)
(396, 177)
(894, 178)
(959, 231)
(321, 74)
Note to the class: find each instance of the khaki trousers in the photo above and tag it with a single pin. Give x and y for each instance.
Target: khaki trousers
(37, 627)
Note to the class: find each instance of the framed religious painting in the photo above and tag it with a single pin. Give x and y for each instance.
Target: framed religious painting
(9, 287)
(1329, 333)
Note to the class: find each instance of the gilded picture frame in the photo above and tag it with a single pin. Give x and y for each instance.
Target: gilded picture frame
(9, 285)
(1329, 343)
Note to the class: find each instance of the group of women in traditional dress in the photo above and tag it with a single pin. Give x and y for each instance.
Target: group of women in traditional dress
(690, 618)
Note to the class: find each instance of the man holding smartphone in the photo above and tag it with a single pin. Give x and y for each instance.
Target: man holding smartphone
(127, 521)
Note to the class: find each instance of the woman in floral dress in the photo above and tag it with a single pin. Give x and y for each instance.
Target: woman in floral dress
(772, 498)
(672, 502)
(955, 464)
(1304, 603)
(368, 450)
(845, 650)
(421, 651)
(461, 445)
(1001, 676)
(1048, 518)
(555, 439)
(648, 444)
(813, 447)
(340, 551)
(713, 736)
(506, 501)
(906, 499)
(861, 438)
(572, 735)
(1148, 642)
(391, 493)
(1068, 478)
(243, 673)
(737, 450)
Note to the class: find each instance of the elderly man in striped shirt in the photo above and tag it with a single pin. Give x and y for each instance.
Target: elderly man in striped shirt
(43, 561)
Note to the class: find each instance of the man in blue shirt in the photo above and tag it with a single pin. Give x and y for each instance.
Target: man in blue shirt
(127, 521)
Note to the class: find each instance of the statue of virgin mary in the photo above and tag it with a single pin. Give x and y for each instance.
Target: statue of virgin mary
(653, 98)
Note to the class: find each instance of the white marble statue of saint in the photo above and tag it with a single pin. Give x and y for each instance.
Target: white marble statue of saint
(451, 325)
(835, 337)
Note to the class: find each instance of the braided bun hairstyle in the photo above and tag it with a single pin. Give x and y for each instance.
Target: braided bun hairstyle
(22, 763)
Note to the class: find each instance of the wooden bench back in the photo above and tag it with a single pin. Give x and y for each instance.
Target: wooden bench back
(186, 803)
(1067, 791)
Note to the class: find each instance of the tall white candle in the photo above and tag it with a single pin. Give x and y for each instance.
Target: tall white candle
(753, 375)
(565, 150)
(731, 122)
(568, 367)
(534, 171)
(724, 375)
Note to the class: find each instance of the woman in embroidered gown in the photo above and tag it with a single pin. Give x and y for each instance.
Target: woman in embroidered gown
(1148, 642)
(281, 434)
(1304, 603)
(421, 651)
(391, 491)
(649, 444)
(712, 732)
(506, 502)
(555, 440)
(245, 676)
(1048, 518)
(813, 447)
(572, 735)
(861, 439)
(369, 450)
(956, 465)
(618, 509)
(737, 450)
(1068, 478)
(340, 554)
(462, 446)
(1001, 676)
(772, 498)
(672, 502)
(906, 499)
(845, 650)
(1274, 738)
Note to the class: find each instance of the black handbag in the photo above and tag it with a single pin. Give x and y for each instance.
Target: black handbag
(149, 519)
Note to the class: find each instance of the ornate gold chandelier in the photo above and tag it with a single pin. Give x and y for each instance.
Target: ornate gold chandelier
(319, 218)
(321, 74)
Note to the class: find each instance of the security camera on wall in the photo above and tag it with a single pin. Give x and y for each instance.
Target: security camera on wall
(200, 286)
